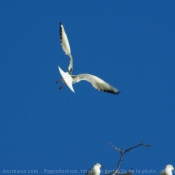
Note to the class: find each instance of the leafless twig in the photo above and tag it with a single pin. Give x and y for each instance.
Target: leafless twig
(122, 153)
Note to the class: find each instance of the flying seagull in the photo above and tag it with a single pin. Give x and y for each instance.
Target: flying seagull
(69, 79)
(168, 170)
(95, 170)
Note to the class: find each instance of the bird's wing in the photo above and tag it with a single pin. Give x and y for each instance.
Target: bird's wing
(96, 82)
(66, 47)
(163, 172)
(89, 172)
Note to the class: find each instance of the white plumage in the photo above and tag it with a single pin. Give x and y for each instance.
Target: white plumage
(168, 170)
(69, 79)
(95, 170)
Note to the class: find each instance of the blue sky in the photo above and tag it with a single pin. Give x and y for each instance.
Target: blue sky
(129, 44)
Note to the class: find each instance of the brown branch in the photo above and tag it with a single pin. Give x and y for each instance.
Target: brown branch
(122, 153)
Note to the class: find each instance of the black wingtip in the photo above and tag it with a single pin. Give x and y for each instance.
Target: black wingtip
(117, 92)
(60, 28)
(112, 92)
(60, 32)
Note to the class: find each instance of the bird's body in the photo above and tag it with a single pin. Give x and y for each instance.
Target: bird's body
(69, 79)
(95, 170)
(168, 170)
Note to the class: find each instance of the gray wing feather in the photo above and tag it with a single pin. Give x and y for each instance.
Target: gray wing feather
(89, 172)
(66, 47)
(96, 82)
(163, 173)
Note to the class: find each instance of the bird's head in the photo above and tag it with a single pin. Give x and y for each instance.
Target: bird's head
(98, 165)
(169, 167)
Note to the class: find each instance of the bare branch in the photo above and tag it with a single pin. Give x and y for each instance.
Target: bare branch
(118, 149)
(122, 153)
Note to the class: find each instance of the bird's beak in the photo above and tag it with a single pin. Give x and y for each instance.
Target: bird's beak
(102, 166)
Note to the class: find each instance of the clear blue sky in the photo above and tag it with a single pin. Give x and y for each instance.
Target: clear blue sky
(130, 44)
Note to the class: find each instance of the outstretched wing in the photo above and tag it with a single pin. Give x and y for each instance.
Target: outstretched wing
(66, 47)
(96, 82)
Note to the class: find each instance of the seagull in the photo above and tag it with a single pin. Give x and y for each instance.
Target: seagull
(95, 170)
(168, 170)
(69, 79)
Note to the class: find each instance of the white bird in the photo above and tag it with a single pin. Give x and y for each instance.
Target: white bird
(95, 170)
(168, 170)
(69, 79)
